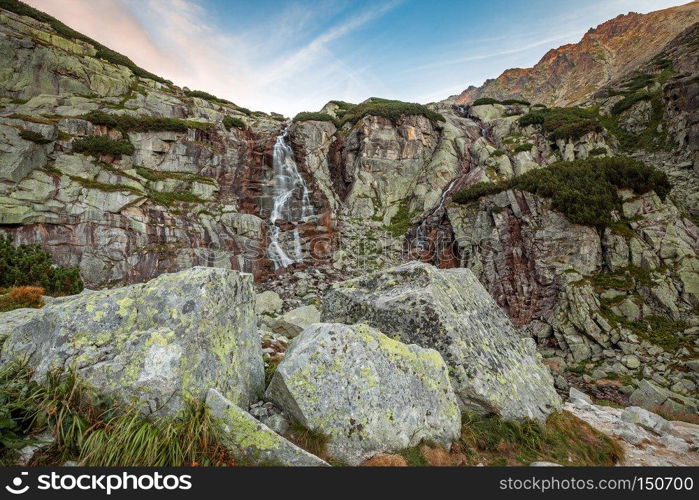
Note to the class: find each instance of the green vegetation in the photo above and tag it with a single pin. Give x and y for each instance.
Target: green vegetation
(127, 123)
(563, 123)
(629, 101)
(393, 110)
(522, 102)
(564, 439)
(351, 113)
(598, 151)
(343, 107)
(482, 101)
(415, 457)
(305, 116)
(657, 330)
(400, 222)
(206, 96)
(101, 145)
(94, 431)
(233, 122)
(103, 186)
(638, 89)
(649, 139)
(36, 137)
(507, 102)
(103, 52)
(169, 198)
(493, 441)
(30, 265)
(162, 175)
(525, 147)
(478, 191)
(585, 191)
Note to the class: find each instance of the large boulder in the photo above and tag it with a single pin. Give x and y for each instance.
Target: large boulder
(366, 392)
(252, 442)
(158, 342)
(493, 368)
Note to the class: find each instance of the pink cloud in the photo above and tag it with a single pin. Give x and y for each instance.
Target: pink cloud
(124, 34)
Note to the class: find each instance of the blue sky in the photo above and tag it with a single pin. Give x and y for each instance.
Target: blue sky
(295, 55)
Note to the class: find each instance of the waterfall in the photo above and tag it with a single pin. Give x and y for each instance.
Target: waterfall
(292, 202)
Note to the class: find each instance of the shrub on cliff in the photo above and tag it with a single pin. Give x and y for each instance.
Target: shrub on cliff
(101, 145)
(128, 123)
(563, 123)
(482, 101)
(232, 122)
(305, 116)
(477, 191)
(585, 191)
(524, 147)
(393, 110)
(35, 137)
(206, 96)
(30, 265)
(629, 101)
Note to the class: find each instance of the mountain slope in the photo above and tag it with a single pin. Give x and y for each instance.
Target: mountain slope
(571, 73)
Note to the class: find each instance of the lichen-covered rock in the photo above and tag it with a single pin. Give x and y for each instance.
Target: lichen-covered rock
(159, 342)
(268, 302)
(366, 392)
(293, 322)
(492, 367)
(252, 442)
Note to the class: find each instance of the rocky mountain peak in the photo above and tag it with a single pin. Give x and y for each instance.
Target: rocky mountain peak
(571, 73)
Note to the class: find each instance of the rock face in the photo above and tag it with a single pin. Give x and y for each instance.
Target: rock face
(493, 368)
(192, 195)
(571, 73)
(594, 297)
(251, 441)
(159, 342)
(366, 392)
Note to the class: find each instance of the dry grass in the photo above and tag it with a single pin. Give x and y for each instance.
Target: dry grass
(22, 296)
(436, 456)
(311, 441)
(669, 414)
(385, 460)
(564, 439)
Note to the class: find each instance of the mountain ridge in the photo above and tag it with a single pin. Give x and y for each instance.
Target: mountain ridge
(570, 74)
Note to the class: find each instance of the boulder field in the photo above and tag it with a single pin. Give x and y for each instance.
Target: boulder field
(370, 385)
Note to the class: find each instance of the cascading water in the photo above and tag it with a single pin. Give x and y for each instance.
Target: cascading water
(292, 203)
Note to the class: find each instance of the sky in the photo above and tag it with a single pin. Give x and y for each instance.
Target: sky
(295, 55)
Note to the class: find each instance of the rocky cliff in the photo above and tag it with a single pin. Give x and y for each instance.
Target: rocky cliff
(570, 74)
(178, 179)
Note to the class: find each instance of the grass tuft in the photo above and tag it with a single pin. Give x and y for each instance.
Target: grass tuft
(21, 297)
(563, 439)
(96, 145)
